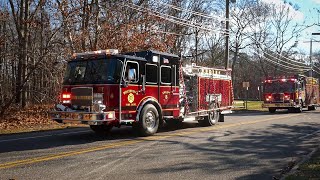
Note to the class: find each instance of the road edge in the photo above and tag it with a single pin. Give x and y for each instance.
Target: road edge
(303, 160)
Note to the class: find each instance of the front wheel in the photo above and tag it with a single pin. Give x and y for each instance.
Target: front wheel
(148, 121)
(298, 109)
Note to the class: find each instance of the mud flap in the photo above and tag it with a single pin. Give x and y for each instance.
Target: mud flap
(221, 118)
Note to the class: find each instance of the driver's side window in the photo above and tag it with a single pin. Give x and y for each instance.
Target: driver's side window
(131, 72)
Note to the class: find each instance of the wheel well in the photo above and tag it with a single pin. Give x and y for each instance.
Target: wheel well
(159, 111)
(153, 102)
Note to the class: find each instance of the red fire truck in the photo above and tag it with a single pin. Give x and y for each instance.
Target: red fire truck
(142, 89)
(292, 93)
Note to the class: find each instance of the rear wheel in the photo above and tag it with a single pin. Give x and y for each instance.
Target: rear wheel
(272, 110)
(291, 110)
(148, 121)
(101, 129)
(312, 108)
(211, 119)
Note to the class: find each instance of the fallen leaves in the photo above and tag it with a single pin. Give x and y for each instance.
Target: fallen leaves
(32, 118)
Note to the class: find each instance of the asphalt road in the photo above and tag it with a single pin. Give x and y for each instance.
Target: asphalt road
(246, 146)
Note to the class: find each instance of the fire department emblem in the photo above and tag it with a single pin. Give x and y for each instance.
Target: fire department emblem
(130, 98)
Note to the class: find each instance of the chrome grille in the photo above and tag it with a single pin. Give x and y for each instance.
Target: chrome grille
(82, 96)
(279, 97)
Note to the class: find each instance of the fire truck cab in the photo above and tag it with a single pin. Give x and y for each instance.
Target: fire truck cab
(293, 93)
(142, 89)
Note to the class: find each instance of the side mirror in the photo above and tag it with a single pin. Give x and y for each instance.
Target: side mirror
(124, 84)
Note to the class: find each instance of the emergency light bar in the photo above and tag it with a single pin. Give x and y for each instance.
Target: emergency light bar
(278, 80)
(98, 52)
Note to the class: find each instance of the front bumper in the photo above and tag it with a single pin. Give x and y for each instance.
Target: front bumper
(80, 117)
(278, 105)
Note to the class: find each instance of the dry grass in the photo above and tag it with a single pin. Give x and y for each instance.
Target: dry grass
(252, 106)
(35, 118)
(309, 169)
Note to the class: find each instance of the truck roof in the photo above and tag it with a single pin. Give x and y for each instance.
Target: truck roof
(83, 56)
(138, 56)
(159, 53)
(148, 55)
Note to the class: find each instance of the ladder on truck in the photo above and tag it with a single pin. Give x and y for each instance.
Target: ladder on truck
(193, 70)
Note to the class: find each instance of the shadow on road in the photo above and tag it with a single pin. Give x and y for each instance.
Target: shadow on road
(259, 113)
(256, 113)
(254, 152)
(72, 136)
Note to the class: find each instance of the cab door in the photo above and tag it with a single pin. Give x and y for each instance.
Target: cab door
(131, 90)
(169, 91)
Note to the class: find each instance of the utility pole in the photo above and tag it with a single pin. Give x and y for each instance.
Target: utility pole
(196, 46)
(227, 34)
(310, 73)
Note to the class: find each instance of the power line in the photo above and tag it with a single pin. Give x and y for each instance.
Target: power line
(172, 33)
(166, 32)
(274, 65)
(195, 12)
(185, 22)
(318, 72)
(316, 67)
(284, 66)
(315, 70)
(285, 61)
(259, 43)
(172, 18)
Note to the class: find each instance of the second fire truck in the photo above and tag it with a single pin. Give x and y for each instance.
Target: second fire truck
(142, 89)
(291, 92)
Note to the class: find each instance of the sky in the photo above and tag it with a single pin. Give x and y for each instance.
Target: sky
(306, 12)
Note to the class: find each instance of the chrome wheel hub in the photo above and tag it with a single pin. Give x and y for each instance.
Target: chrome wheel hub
(213, 116)
(150, 120)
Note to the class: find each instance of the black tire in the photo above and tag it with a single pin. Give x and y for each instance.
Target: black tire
(298, 109)
(101, 129)
(291, 110)
(312, 108)
(272, 110)
(211, 119)
(148, 121)
(221, 118)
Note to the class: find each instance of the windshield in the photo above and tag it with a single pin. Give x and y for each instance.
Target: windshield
(279, 87)
(99, 71)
